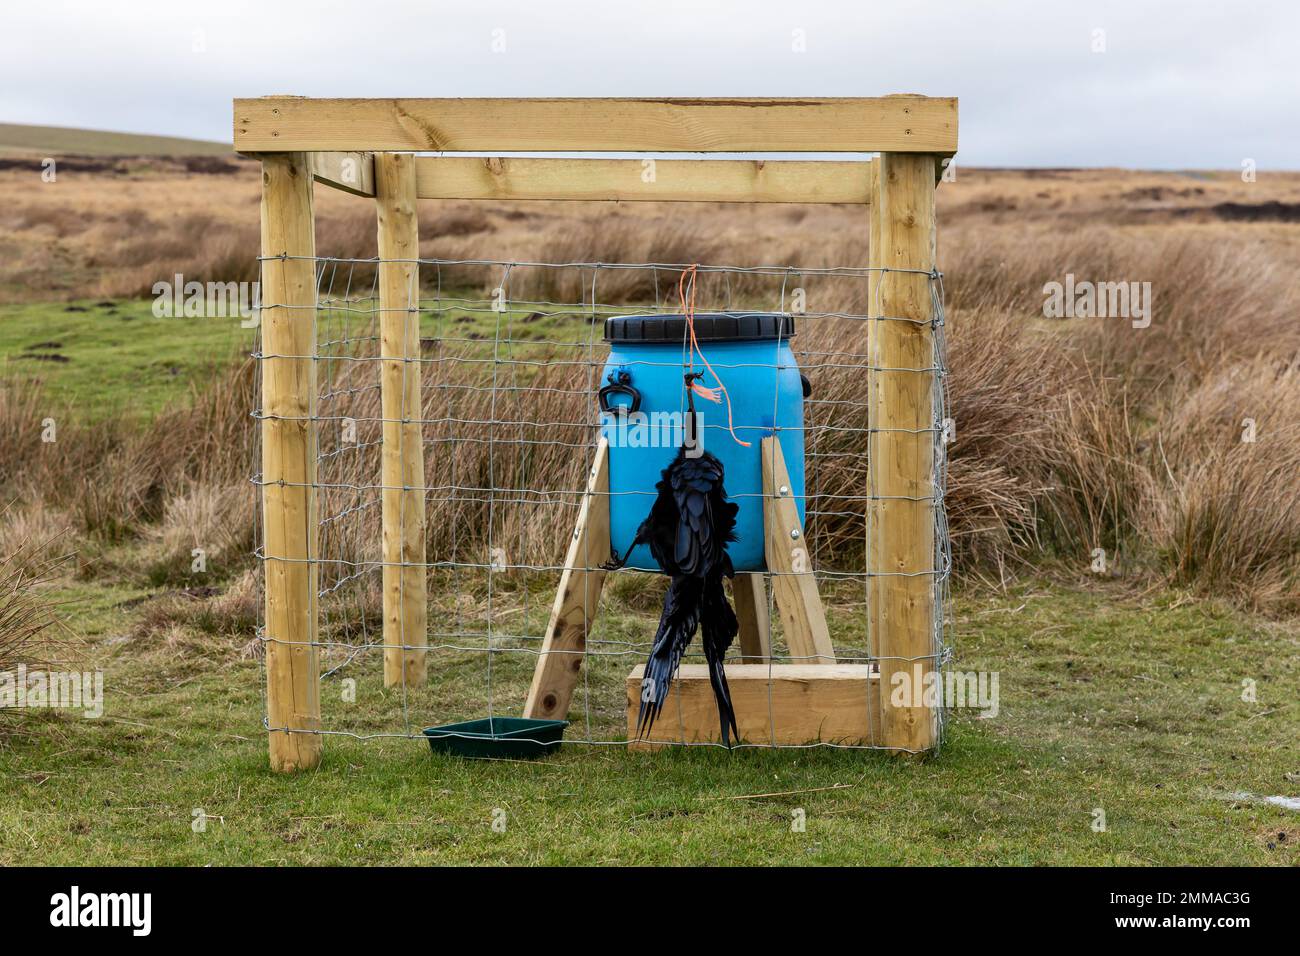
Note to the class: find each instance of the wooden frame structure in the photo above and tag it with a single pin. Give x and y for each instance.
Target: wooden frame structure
(364, 147)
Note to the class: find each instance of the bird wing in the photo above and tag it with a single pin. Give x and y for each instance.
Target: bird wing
(699, 543)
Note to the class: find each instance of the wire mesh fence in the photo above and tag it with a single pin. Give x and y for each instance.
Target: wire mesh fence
(510, 359)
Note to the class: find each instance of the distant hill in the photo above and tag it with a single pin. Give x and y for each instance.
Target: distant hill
(20, 139)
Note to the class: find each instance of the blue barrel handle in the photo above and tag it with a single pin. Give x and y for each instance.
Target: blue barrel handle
(620, 382)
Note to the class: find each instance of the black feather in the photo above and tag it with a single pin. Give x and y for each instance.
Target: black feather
(688, 529)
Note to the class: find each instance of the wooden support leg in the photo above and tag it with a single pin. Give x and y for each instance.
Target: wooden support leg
(749, 591)
(289, 507)
(900, 551)
(560, 661)
(405, 600)
(793, 582)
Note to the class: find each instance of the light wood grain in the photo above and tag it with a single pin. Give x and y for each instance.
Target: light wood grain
(351, 172)
(774, 704)
(405, 598)
(633, 180)
(802, 616)
(749, 592)
(289, 510)
(874, 261)
(733, 124)
(560, 662)
(901, 548)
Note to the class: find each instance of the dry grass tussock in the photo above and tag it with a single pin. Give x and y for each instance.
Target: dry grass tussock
(1071, 434)
(31, 556)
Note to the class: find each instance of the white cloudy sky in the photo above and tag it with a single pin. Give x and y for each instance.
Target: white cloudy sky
(1187, 84)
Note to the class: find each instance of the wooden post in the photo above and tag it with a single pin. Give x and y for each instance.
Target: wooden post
(874, 261)
(750, 594)
(901, 548)
(793, 584)
(873, 248)
(405, 598)
(291, 533)
(565, 644)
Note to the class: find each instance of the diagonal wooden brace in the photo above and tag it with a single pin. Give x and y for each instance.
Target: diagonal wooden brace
(560, 662)
(795, 587)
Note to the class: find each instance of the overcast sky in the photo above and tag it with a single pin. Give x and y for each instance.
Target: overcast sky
(1188, 84)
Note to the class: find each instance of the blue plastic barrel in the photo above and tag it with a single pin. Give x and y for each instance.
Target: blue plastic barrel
(643, 415)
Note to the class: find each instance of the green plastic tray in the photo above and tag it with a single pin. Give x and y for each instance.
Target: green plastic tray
(517, 737)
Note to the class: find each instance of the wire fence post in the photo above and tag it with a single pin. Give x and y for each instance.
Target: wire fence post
(290, 526)
(405, 600)
(901, 552)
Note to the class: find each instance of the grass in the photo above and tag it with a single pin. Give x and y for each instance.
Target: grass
(1123, 694)
(113, 358)
(1108, 700)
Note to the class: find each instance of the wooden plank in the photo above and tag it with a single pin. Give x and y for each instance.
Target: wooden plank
(874, 260)
(904, 123)
(793, 582)
(774, 704)
(560, 662)
(749, 593)
(633, 180)
(351, 172)
(289, 510)
(405, 599)
(901, 453)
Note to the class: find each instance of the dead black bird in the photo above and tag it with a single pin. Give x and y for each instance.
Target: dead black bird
(688, 529)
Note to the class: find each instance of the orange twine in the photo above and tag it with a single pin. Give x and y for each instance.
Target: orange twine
(688, 310)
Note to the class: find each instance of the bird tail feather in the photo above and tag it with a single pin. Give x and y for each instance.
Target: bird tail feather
(718, 628)
(677, 624)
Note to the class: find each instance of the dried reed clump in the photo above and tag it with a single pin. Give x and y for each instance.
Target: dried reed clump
(1211, 301)
(232, 612)
(27, 564)
(216, 521)
(1230, 457)
(112, 480)
(1002, 392)
(34, 536)
(613, 239)
(1100, 482)
(198, 245)
(530, 445)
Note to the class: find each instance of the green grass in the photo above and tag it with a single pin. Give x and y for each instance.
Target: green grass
(109, 359)
(1111, 701)
(114, 358)
(1107, 701)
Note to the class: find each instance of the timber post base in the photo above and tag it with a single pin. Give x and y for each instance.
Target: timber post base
(775, 704)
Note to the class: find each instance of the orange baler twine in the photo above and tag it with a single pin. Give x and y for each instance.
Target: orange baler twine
(688, 310)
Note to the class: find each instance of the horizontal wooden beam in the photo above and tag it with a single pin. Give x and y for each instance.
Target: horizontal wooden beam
(664, 180)
(903, 123)
(351, 172)
(776, 703)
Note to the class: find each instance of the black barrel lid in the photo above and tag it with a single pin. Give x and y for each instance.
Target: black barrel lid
(709, 327)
